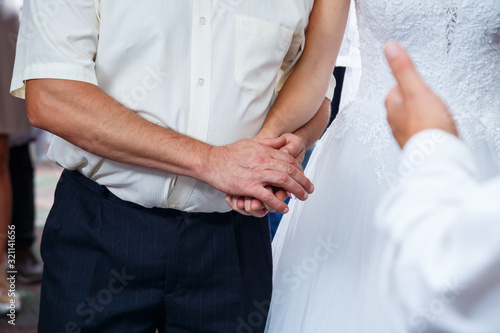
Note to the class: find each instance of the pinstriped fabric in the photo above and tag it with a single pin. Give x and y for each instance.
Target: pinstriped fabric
(113, 266)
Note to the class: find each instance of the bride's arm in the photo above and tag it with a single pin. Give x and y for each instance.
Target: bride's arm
(305, 89)
(300, 107)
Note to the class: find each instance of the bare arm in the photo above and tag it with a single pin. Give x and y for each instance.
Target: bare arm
(301, 108)
(311, 132)
(84, 115)
(303, 138)
(304, 90)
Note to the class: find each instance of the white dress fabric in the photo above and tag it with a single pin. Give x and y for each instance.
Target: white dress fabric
(349, 58)
(454, 278)
(328, 251)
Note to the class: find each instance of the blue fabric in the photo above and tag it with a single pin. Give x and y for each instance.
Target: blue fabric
(113, 266)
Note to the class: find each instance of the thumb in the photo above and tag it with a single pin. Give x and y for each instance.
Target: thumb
(403, 69)
(275, 143)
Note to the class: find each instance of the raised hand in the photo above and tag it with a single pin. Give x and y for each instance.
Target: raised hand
(411, 105)
(250, 167)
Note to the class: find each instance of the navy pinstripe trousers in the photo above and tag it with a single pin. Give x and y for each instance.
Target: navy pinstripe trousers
(114, 266)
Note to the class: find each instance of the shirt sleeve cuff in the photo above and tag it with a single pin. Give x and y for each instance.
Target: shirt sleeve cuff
(331, 88)
(61, 71)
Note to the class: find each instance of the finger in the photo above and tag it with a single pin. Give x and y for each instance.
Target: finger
(395, 113)
(294, 145)
(230, 200)
(394, 101)
(281, 195)
(239, 210)
(288, 183)
(240, 203)
(300, 158)
(275, 143)
(292, 168)
(269, 199)
(403, 69)
(248, 201)
(285, 157)
(297, 174)
(260, 213)
(292, 149)
(269, 209)
(256, 205)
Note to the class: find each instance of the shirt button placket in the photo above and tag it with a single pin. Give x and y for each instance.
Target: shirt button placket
(200, 80)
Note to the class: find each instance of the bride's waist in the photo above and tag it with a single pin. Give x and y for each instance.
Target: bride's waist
(367, 115)
(368, 105)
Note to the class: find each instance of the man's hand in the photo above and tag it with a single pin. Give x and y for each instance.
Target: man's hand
(411, 105)
(295, 146)
(251, 167)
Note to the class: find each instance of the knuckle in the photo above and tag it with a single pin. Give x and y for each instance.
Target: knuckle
(283, 178)
(258, 159)
(267, 196)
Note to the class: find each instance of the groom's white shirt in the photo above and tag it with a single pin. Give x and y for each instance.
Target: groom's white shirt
(443, 268)
(204, 68)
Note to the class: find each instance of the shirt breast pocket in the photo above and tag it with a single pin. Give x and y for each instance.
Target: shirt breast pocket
(260, 49)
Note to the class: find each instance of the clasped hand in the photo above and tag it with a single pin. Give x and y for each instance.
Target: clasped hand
(294, 148)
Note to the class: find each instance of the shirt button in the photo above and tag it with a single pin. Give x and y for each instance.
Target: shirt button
(172, 206)
(201, 82)
(203, 20)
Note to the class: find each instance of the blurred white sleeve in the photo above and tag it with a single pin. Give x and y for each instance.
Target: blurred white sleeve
(443, 271)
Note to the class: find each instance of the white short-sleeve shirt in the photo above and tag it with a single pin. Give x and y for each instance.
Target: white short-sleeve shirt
(207, 69)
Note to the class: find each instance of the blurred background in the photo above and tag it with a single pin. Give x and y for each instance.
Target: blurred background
(27, 184)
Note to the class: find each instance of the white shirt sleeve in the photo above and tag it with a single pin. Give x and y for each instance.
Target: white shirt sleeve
(57, 39)
(443, 270)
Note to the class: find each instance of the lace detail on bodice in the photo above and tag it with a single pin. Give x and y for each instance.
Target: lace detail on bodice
(455, 45)
(451, 17)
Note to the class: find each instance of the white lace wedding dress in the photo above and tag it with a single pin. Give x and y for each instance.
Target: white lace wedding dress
(328, 252)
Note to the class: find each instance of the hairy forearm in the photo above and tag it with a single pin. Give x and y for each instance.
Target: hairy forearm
(304, 90)
(87, 117)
